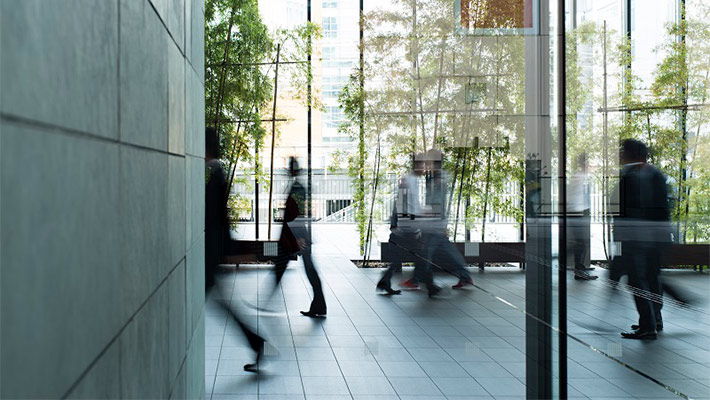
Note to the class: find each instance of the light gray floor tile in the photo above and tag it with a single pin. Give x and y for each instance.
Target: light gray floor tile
(315, 354)
(369, 386)
(502, 386)
(324, 385)
(319, 368)
(415, 387)
(360, 368)
(280, 385)
(401, 369)
(600, 387)
(236, 385)
(443, 369)
(459, 387)
(485, 370)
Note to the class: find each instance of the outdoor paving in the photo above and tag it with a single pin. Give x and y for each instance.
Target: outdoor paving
(469, 345)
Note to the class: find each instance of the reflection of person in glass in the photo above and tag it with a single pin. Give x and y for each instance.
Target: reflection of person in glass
(436, 219)
(578, 223)
(643, 228)
(216, 238)
(404, 234)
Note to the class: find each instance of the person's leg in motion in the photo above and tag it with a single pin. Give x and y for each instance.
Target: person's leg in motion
(655, 284)
(385, 283)
(579, 230)
(457, 261)
(255, 341)
(639, 280)
(424, 271)
(318, 307)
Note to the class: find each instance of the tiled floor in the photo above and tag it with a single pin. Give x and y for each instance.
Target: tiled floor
(469, 345)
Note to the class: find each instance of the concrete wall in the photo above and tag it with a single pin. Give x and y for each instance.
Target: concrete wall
(102, 182)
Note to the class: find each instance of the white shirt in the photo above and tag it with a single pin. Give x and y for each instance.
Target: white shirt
(578, 193)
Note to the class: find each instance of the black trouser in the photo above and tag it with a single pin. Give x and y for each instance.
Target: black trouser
(447, 255)
(255, 341)
(644, 268)
(407, 245)
(579, 235)
(318, 305)
(401, 244)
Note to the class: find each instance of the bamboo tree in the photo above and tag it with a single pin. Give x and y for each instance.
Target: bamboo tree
(236, 41)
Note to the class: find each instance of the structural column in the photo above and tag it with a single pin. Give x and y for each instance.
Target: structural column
(538, 175)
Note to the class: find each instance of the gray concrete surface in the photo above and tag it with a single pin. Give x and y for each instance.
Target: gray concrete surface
(102, 181)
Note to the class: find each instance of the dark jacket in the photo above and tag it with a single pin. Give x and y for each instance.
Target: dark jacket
(216, 221)
(295, 207)
(644, 214)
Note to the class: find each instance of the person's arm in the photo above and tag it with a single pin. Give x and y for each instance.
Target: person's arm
(393, 217)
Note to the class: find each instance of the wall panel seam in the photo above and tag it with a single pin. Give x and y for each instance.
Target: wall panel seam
(46, 126)
(114, 339)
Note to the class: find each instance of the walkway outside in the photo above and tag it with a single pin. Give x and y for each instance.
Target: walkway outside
(467, 346)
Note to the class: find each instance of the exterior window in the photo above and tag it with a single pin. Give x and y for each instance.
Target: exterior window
(330, 27)
(332, 86)
(328, 53)
(330, 4)
(333, 116)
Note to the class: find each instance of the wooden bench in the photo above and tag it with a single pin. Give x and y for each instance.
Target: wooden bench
(251, 251)
(696, 255)
(473, 252)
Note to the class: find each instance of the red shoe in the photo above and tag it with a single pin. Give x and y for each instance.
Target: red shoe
(463, 283)
(409, 284)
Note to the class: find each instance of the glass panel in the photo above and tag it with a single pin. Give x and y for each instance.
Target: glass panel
(628, 217)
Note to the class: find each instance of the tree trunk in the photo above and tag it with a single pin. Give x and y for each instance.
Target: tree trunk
(273, 140)
(485, 201)
(227, 46)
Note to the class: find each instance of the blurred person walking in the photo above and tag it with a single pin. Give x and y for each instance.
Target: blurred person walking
(295, 240)
(643, 228)
(405, 235)
(435, 236)
(216, 239)
(578, 223)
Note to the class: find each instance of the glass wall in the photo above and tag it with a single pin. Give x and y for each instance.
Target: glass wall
(536, 195)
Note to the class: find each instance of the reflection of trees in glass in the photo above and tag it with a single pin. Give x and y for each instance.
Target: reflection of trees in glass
(672, 115)
(427, 86)
(681, 142)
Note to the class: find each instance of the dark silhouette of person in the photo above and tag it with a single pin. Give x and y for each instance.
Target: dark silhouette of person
(404, 233)
(436, 219)
(295, 240)
(578, 225)
(643, 228)
(217, 237)
(408, 235)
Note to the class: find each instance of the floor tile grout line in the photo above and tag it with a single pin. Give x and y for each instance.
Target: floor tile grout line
(359, 335)
(395, 336)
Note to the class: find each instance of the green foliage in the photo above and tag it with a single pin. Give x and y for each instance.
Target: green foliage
(296, 46)
(681, 142)
(239, 56)
(236, 88)
(411, 71)
(352, 99)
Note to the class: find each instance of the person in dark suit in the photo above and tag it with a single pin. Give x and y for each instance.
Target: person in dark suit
(643, 228)
(404, 236)
(217, 237)
(295, 240)
(578, 221)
